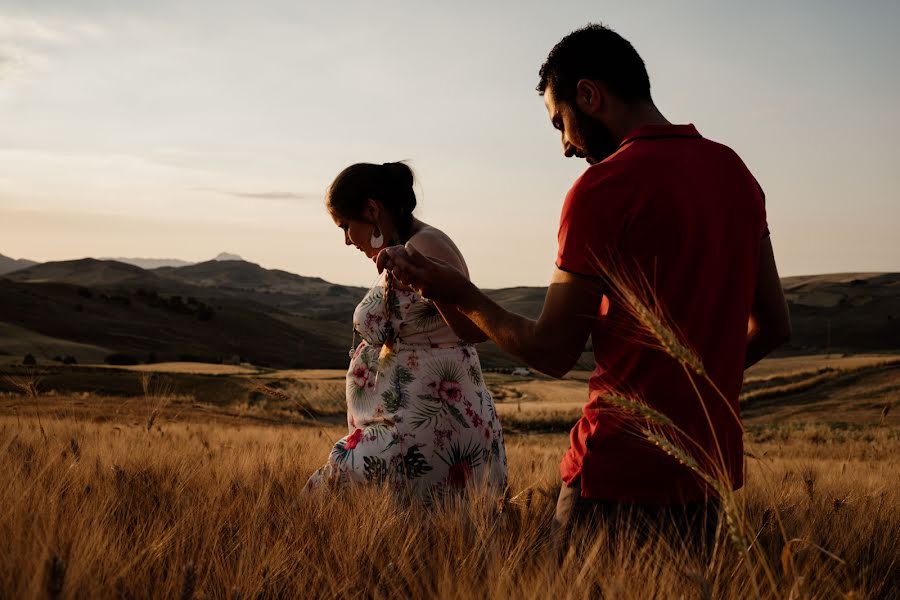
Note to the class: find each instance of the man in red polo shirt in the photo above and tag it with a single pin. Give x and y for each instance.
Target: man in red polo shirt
(664, 260)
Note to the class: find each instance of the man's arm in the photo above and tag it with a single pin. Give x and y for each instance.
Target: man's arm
(770, 323)
(552, 344)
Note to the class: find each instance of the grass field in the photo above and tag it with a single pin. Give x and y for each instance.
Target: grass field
(154, 492)
(190, 509)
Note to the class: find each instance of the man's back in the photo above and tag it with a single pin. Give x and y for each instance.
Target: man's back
(678, 219)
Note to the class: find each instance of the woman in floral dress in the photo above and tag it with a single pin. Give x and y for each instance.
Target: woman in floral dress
(419, 415)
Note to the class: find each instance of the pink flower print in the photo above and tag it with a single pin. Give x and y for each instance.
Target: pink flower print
(353, 440)
(361, 375)
(450, 391)
(473, 416)
(412, 361)
(441, 436)
(373, 321)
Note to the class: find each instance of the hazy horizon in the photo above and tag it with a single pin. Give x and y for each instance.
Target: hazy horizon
(182, 131)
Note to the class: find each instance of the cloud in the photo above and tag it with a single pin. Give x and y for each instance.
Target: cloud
(275, 195)
(28, 42)
(27, 29)
(46, 31)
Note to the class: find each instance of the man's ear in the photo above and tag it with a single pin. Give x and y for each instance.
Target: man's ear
(589, 96)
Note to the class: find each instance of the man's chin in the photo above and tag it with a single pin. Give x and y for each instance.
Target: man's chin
(598, 157)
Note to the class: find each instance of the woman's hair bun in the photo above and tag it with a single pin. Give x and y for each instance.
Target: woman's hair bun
(400, 172)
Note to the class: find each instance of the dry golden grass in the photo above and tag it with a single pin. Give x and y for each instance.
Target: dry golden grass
(192, 509)
(788, 365)
(185, 367)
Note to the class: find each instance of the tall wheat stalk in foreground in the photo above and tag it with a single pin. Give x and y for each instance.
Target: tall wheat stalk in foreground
(632, 291)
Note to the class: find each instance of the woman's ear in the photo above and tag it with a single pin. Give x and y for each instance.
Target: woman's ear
(372, 210)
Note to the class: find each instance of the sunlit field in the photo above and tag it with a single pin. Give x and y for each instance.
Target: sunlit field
(158, 495)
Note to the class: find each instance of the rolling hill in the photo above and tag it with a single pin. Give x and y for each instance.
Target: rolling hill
(8, 265)
(226, 310)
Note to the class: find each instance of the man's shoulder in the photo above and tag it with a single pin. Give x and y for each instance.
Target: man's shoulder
(714, 147)
(606, 174)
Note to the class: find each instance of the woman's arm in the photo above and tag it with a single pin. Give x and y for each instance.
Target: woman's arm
(437, 246)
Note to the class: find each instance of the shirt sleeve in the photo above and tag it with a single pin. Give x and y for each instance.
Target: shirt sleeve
(591, 223)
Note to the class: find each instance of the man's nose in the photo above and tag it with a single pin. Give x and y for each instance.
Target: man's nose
(347, 240)
(568, 149)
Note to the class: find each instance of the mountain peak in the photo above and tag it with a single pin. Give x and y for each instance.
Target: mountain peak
(8, 265)
(227, 256)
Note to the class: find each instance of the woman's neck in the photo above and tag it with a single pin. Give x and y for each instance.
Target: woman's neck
(414, 228)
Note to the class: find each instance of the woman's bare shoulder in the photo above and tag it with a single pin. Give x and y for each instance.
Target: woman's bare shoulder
(433, 242)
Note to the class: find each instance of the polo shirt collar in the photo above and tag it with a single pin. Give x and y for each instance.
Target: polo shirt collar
(661, 131)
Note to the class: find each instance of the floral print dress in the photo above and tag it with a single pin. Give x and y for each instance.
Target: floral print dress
(419, 415)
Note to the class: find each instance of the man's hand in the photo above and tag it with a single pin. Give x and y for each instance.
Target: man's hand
(431, 278)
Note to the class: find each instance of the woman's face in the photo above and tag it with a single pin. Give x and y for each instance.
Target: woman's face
(357, 233)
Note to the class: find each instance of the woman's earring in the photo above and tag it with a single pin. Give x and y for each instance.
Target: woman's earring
(376, 241)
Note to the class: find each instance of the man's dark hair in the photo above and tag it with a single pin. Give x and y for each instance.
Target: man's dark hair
(595, 52)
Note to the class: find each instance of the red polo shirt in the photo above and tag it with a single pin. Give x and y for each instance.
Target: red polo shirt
(681, 218)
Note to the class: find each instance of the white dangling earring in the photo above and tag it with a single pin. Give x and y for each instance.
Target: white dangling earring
(376, 241)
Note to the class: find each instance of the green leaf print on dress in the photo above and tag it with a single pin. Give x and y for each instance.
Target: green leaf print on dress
(462, 462)
(424, 316)
(397, 397)
(376, 469)
(475, 374)
(414, 463)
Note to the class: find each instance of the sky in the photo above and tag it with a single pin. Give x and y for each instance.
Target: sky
(171, 129)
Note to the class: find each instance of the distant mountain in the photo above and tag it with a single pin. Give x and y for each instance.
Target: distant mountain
(218, 309)
(839, 312)
(238, 273)
(87, 272)
(844, 311)
(8, 265)
(294, 294)
(150, 263)
(156, 263)
(226, 256)
(146, 325)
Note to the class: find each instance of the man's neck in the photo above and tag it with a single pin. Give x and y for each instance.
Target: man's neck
(641, 115)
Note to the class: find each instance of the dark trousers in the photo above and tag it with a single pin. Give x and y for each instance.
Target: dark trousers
(692, 524)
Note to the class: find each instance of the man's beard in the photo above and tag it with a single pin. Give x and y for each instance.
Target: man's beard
(597, 141)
